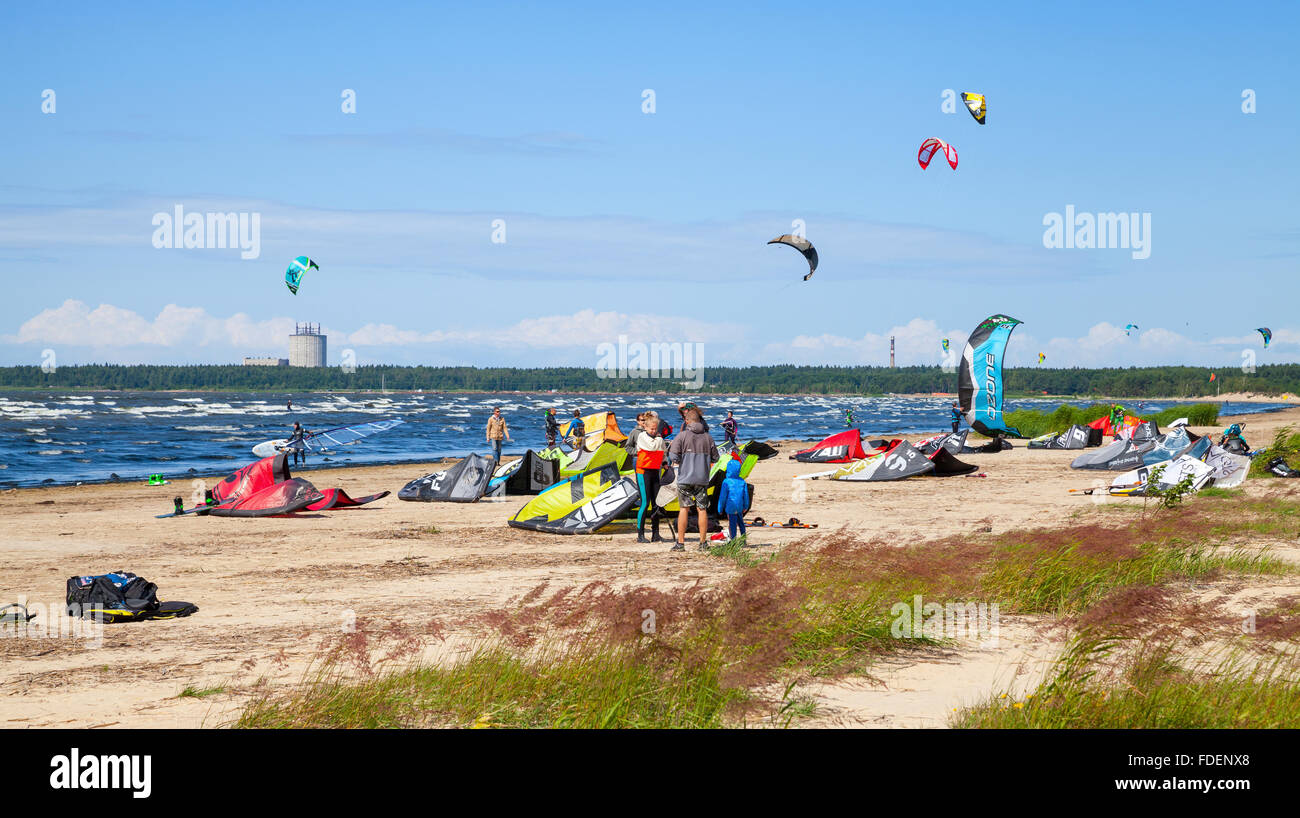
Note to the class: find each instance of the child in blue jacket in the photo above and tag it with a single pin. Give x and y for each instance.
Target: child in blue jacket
(733, 498)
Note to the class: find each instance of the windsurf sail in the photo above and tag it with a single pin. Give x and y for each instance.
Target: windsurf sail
(979, 380)
(329, 438)
(347, 435)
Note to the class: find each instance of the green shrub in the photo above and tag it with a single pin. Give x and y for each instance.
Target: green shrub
(1033, 423)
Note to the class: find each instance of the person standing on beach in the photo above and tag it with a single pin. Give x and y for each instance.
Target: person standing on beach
(729, 428)
(693, 452)
(956, 416)
(650, 448)
(629, 445)
(1116, 420)
(497, 430)
(298, 442)
(552, 428)
(577, 431)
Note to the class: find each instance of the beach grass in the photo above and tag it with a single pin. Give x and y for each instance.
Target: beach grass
(587, 686)
(1033, 423)
(1150, 688)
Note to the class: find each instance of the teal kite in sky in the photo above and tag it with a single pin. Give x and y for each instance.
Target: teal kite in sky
(297, 269)
(1267, 333)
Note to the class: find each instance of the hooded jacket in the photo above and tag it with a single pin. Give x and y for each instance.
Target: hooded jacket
(733, 497)
(693, 452)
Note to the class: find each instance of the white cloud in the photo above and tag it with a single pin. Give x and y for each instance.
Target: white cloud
(74, 323)
(190, 333)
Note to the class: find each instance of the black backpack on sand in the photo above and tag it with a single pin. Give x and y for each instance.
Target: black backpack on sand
(120, 597)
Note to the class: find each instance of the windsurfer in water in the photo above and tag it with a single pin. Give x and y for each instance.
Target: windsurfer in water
(298, 443)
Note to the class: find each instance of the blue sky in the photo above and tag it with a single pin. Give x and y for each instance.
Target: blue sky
(650, 225)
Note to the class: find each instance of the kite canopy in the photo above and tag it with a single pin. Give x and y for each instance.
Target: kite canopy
(1128, 328)
(979, 379)
(944, 344)
(587, 460)
(838, 448)
(265, 489)
(598, 428)
(464, 482)
(976, 105)
(579, 505)
(530, 474)
(1135, 483)
(1077, 436)
(803, 246)
(1267, 333)
(899, 462)
(297, 269)
(928, 149)
(1041, 357)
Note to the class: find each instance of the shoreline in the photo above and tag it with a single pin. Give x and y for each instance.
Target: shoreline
(443, 461)
(1229, 397)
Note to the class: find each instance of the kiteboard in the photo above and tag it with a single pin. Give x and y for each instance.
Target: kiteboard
(180, 512)
(793, 522)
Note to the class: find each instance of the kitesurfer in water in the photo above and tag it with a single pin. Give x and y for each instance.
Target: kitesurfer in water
(298, 442)
(848, 416)
(552, 428)
(496, 431)
(956, 416)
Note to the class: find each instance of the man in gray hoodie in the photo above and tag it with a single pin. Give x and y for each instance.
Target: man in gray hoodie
(692, 453)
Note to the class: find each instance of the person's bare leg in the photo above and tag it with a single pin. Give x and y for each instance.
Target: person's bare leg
(704, 528)
(683, 515)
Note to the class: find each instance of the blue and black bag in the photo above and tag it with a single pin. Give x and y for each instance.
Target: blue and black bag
(120, 597)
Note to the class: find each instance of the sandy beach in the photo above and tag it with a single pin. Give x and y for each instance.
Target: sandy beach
(271, 590)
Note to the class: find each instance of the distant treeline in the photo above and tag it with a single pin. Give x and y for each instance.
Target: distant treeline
(1160, 381)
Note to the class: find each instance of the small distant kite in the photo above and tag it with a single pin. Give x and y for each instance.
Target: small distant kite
(944, 344)
(1041, 357)
(297, 269)
(1267, 333)
(1128, 329)
(1212, 377)
(928, 149)
(975, 104)
(803, 246)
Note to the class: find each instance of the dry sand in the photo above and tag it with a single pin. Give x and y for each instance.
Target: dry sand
(270, 590)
